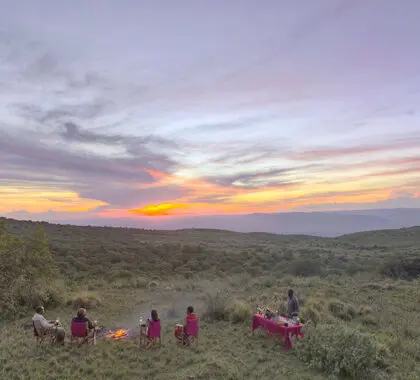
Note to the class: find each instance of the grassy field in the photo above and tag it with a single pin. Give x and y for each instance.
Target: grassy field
(360, 291)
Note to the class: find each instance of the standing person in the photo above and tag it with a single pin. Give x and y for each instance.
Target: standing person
(292, 305)
(48, 327)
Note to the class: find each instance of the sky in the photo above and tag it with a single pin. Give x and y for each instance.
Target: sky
(162, 108)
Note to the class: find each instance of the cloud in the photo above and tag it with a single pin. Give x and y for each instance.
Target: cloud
(129, 196)
(48, 147)
(30, 155)
(230, 125)
(395, 173)
(393, 144)
(275, 177)
(408, 201)
(134, 144)
(249, 153)
(111, 180)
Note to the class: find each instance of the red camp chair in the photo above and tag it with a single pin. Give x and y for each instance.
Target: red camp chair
(79, 332)
(154, 332)
(191, 331)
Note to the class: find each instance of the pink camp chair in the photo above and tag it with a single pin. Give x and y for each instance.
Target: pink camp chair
(191, 330)
(153, 332)
(79, 332)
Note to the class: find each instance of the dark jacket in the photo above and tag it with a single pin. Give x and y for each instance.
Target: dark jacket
(84, 319)
(293, 307)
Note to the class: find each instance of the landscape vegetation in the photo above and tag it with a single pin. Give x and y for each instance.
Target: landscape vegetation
(360, 292)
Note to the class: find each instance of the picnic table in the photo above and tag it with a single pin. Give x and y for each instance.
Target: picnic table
(274, 328)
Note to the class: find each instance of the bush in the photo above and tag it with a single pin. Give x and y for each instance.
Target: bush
(401, 268)
(216, 304)
(28, 273)
(85, 300)
(341, 310)
(239, 311)
(153, 285)
(309, 313)
(306, 268)
(374, 286)
(365, 310)
(338, 351)
(369, 320)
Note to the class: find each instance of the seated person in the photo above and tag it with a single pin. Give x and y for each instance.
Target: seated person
(190, 316)
(154, 317)
(47, 327)
(82, 317)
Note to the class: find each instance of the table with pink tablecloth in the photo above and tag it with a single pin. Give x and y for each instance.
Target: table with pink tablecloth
(272, 327)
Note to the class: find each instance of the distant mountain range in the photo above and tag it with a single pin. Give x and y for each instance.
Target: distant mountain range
(327, 224)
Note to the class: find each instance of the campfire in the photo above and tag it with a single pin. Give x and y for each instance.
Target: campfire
(117, 335)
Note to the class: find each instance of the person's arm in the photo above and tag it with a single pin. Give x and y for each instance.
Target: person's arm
(90, 324)
(44, 323)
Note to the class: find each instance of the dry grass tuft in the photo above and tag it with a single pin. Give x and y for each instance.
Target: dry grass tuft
(87, 300)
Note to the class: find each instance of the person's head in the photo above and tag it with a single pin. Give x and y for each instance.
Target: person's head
(40, 310)
(154, 315)
(290, 293)
(81, 312)
(190, 310)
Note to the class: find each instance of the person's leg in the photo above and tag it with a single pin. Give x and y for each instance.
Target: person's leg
(91, 337)
(60, 334)
(186, 338)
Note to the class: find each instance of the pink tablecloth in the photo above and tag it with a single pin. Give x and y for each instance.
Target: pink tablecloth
(273, 328)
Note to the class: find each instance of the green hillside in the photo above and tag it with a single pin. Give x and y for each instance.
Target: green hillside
(361, 289)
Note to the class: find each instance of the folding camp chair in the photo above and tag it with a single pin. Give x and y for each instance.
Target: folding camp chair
(80, 333)
(41, 335)
(191, 331)
(154, 333)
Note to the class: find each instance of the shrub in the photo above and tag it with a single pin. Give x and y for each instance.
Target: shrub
(85, 300)
(335, 307)
(365, 310)
(216, 305)
(28, 273)
(338, 351)
(305, 268)
(398, 267)
(341, 310)
(153, 285)
(239, 311)
(369, 320)
(309, 313)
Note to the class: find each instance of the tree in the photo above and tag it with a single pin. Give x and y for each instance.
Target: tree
(27, 270)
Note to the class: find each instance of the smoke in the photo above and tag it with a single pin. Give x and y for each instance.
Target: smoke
(170, 305)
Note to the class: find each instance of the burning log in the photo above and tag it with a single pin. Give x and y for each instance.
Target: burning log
(117, 335)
